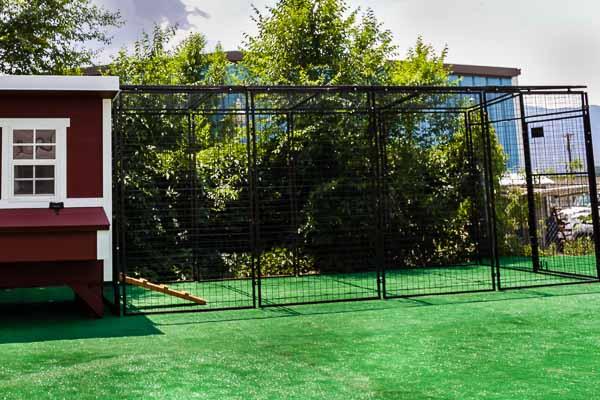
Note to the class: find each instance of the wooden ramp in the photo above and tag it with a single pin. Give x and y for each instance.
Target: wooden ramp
(144, 283)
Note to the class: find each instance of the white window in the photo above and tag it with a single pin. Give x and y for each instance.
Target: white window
(34, 159)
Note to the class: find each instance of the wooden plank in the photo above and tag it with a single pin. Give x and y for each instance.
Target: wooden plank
(144, 283)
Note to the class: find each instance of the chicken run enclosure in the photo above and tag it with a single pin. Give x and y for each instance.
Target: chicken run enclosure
(270, 196)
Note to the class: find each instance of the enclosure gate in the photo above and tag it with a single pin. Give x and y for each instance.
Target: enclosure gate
(272, 196)
(559, 224)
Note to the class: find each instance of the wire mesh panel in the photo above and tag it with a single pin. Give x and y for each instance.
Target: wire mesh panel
(315, 179)
(184, 201)
(266, 196)
(544, 208)
(435, 221)
(222, 231)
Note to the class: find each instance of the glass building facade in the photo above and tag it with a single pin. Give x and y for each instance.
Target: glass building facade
(507, 132)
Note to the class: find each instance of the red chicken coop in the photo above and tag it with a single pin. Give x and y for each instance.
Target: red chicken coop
(56, 184)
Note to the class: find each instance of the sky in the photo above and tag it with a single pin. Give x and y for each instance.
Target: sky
(553, 42)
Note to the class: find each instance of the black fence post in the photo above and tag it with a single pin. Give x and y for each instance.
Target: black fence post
(250, 170)
(115, 217)
(532, 218)
(254, 202)
(192, 150)
(383, 197)
(591, 167)
(490, 191)
(292, 192)
(377, 198)
(122, 212)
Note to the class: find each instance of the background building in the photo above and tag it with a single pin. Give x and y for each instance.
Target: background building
(508, 132)
(466, 75)
(472, 75)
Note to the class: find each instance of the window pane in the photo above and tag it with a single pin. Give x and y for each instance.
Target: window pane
(45, 171)
(24, 171)
(45, 136)
(22, 152)
(23, 188)
(45, 152)
(23, 136)
(44, 187)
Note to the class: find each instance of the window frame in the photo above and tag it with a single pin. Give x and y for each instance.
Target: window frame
(59, 125)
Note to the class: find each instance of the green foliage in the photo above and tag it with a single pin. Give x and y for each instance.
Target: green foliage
(160, 168)
(157, 172)
(274, 262)
(314, 42)
(322, 42)
(421, 66)
(512, 226)
(189, 60)
(576, 165)
(217, 72)
(51, 36)
(318, 42)
(433, 196)
(585, 219)
(579, 247)
(431, 182)
(154, 61)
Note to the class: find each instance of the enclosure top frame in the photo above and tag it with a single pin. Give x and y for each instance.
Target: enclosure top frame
(347, 88)
(323, 99)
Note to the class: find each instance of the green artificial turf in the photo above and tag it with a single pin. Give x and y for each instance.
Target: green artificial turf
(529, 344)
(238, 293)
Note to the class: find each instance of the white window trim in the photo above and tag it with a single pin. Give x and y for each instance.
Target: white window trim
(60, 125)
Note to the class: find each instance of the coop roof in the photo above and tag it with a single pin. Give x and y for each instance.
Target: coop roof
(107, 86)
(47, 220)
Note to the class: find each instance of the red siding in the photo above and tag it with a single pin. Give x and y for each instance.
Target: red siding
(43, 274)
(0, 163)
(50, 246)
(84, 137)
(84, 277)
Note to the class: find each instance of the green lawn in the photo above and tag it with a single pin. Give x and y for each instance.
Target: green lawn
(529, 344)
(515, 272)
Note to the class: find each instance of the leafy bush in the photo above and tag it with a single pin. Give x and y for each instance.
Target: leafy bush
(579, 247)
(316, 187)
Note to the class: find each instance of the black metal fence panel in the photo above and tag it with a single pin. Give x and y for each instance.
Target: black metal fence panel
(271, 196)
(185, 203)
(434, 182)
(546, 228)
(315, 199)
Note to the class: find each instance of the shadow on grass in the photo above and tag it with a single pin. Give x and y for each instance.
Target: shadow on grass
(64, 320)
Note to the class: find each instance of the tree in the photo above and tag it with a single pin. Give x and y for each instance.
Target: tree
(51, 36)
(158, 164)
(317, 185)
(317, 42)
(156, 61)
(324, 42)
(421, 66)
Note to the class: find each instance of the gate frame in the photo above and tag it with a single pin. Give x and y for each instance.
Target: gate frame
(532, 212)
